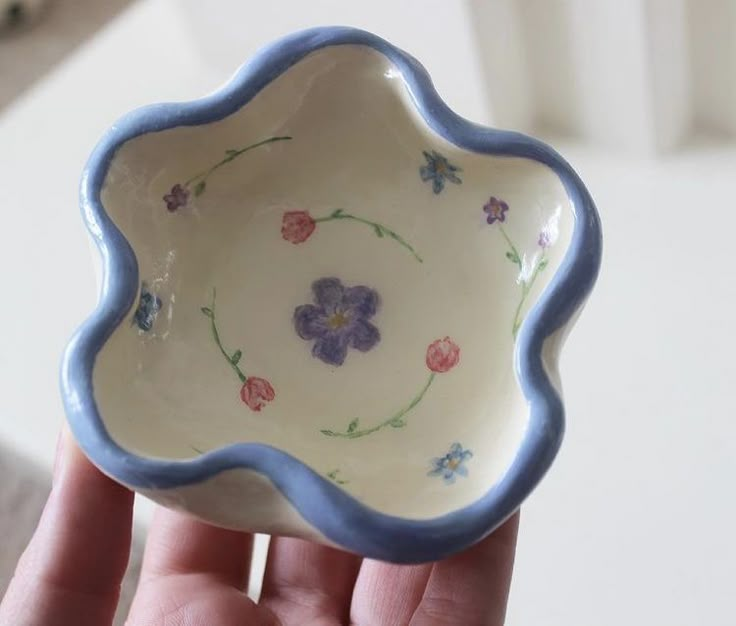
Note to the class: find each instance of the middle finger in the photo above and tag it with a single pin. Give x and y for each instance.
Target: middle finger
(180, 544)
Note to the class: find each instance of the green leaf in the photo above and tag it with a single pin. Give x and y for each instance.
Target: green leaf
(333, 475)
(231, 152)
(207, 311)
(511, 256)
(352, 426)
(199, 188)
(379, 231)
(235, 358)
(398, 422)
(336, 213)
(543, 264)
(329, 433)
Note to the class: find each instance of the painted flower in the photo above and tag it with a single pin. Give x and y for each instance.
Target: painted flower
(496, 210)
(545, 240)
(338, 320)
(148, 307)
(442, 355)
(438, 169)
(256, 392)
(176, 198)
(452, 464)
(297, 226)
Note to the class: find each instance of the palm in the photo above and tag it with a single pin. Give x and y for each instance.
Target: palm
(194, 574)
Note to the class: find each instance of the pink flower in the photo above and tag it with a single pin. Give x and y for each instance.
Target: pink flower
(297, 226)
(442, 355)
(256, 392)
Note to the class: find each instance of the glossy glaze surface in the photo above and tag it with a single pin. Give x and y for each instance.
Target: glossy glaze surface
(325, 330)
(324, 274)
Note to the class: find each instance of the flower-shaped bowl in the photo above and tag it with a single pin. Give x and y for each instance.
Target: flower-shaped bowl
(330, 307)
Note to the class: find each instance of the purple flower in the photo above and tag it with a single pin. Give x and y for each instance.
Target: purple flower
(338, 320)
(545, 240)
(177, 198)
(496, 210)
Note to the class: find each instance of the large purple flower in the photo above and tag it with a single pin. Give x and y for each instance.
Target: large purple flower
(338, 320)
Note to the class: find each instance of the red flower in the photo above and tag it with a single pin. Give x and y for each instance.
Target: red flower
(442, 355)
(256, 392)
(297, 226)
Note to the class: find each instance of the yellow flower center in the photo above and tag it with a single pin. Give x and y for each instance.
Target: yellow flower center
(337, 320)
(440, 167)
(453, 463)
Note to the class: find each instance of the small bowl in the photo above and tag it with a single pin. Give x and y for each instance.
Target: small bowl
(331, 308)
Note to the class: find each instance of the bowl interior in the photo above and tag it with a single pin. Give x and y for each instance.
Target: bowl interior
(323, 273)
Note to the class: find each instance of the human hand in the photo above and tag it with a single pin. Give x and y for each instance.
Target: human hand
(194, 574)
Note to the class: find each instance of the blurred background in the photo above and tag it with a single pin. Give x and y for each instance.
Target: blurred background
(634, 522)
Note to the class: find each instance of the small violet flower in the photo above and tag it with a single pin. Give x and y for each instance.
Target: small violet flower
(256, 392)
(496, 210)
(297, 226)
(545, 240)
(176, 198)
(438, 169)
(338, 320)
(452, 464)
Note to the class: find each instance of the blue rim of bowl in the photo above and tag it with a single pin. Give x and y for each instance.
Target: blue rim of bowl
(338, 516)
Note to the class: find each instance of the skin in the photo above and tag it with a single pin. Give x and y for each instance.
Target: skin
(194, 574)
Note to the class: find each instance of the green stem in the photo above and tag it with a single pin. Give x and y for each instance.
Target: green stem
(515, 252)
(204, 175)
(396, 420)
(216, 336)
(379, 229)
(526, 287)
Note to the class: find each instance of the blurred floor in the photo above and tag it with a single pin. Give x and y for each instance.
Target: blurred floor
(29, 53)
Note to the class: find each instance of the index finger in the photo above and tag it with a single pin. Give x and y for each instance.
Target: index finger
(72, 569)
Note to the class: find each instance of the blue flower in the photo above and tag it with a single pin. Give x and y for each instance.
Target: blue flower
(438, 169)
(338, 320)
(148, 307)
(452, 464)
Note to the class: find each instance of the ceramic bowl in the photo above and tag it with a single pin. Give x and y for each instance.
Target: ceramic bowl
(331, 308)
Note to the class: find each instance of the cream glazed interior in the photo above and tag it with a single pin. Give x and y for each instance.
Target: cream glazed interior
(330, 307)
(322, 273)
